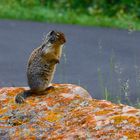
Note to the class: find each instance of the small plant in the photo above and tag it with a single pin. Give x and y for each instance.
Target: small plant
(119, 90)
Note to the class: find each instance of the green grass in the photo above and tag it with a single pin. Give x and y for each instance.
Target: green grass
(40, 13)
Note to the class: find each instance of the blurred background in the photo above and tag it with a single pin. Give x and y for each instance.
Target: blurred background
(102, 50)
(109, 13)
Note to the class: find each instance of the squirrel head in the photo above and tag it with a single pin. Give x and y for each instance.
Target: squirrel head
(54, 38)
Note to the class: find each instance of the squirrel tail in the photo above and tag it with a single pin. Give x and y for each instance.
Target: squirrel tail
(20, 97)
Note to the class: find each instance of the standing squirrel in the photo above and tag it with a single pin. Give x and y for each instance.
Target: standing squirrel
(42, 64)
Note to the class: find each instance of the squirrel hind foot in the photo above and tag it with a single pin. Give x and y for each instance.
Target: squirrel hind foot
(19, 99)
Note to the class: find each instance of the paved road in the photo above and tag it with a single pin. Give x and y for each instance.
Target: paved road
(98, 59)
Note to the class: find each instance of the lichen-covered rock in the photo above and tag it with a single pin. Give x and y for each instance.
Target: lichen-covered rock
(67, 112)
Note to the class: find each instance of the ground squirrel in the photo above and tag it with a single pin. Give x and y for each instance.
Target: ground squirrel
(42, 64)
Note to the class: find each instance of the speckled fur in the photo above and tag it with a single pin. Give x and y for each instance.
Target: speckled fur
(42, 64)
(40, 70)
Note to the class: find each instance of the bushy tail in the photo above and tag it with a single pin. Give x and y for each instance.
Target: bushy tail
(20, 97)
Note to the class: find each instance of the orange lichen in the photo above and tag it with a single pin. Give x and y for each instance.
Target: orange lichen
(31, 138)
(120, 118)
(31, 102)
(104, 104)
(103, 112)
(15, 90)
(132, 111)
(3, 110)
(50, 101)
(133, 135)
(63, 113)
(53, 116)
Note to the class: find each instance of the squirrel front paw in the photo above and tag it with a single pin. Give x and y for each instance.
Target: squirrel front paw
(19, 99)
(55, 61)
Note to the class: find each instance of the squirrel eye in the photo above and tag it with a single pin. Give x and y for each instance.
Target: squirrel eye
(52, 32)
(52, 39)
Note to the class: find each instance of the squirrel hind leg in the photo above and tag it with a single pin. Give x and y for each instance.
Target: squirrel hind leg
(20, 97)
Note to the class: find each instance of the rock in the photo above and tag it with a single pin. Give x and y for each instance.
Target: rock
(66, 112)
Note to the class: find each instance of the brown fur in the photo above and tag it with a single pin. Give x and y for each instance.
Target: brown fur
(42, 64)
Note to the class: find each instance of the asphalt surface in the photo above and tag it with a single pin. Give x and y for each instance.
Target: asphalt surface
(104, 61)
